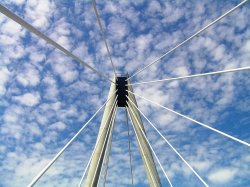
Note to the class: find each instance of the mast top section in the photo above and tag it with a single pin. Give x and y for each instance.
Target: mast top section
(121, 86)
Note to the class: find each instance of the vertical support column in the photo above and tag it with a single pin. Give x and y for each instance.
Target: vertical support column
(147, 157)
(95, 165)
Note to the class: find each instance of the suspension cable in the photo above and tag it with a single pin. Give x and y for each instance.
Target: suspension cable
(149, 144)
(33, 182)
(107, 154)
(97, 141)
(142, 150)
(103, 34)
(197, 122)
(188, 39)
(199, 177)
(100, 156)
(193, 76)
(32, 29)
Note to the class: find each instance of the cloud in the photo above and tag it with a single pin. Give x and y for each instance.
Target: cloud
(142, 42)
(172, 14)
(58, 126)
(222, 175)
(51, 91)
(35, 55)
(46, 97)
(61, 33)
(38, 12)
(17, 2)
(28, 99)
(63, 68)
(29, 76)
(11, 28)
(4, 77)
(118, 29)
(246, 47)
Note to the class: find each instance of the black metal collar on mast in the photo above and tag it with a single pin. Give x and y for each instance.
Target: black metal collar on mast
(121, 86)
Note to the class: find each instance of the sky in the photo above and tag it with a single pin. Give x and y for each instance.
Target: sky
(46, 97)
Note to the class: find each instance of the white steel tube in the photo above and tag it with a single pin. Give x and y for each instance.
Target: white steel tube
(86, 168)
(151, 148)
(103, 148)
(199, 177)
(33, 182)
(147, 165)
(108, 151)
(108, 147)
(146, 153)
(129, 149)
(93, 174)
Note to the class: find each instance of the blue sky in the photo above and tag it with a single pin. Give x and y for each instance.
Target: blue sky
(45, 96)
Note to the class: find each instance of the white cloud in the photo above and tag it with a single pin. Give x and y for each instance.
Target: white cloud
(10, 117)
(82, 52)
(10, 27)
(142, 42)
(14, 52)
(51, 92)
(246, 47)
(35, 130)
(171, 13)
(38, 147)
(181, 71)
(117, 29)
(29, 76)
(36, 56)
(4, 76)
(7, 40)
(138, 33)
(222, 175)
(64, 67)
(70, 76)
(17, 2)
(39, 12)
(154, 7)
(58, 126)
(61, 33)
(110, 7)
(28, 99)
(219, 52)
(202, 165)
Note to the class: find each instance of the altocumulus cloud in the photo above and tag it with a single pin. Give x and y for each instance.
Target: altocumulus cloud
(28, 99)
(46, 97)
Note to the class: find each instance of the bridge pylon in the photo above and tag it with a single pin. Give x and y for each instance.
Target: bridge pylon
(122, 95)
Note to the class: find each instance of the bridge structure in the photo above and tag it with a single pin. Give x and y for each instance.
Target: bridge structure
(121, 94)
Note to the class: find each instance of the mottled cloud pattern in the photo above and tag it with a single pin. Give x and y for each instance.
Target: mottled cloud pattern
(46, 97)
